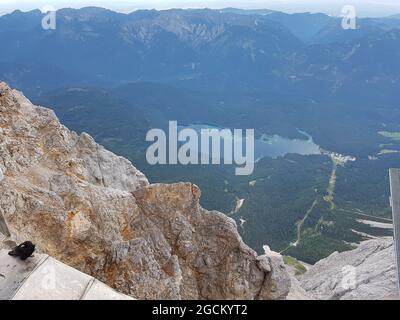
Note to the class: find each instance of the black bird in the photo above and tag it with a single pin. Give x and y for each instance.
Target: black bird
(23, 251)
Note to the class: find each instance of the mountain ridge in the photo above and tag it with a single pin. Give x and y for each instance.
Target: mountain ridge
(200, 48)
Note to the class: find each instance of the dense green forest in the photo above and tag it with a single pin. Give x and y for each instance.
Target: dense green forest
(281, 193)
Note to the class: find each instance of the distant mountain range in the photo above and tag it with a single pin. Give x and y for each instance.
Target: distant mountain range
(227, 49)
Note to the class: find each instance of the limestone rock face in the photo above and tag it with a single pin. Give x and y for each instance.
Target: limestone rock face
(366, 273)
(94, 211)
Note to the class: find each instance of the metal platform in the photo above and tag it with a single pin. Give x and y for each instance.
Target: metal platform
(394, 175)
(3, 226)
(44, 278)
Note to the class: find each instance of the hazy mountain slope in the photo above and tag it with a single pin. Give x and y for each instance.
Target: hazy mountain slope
(371, 28)
(100, 46)
(305, 26)
(104, 115)
(206, 49)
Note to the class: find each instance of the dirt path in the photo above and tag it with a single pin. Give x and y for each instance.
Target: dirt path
(330, 191)
(300, 226)
(301, 222)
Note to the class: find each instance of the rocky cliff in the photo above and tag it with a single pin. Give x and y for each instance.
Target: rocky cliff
(96, 212)
(366, 273)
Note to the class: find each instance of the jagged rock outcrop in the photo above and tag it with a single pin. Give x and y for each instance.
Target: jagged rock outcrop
(94, 211)
(366, 273)
(296, 291)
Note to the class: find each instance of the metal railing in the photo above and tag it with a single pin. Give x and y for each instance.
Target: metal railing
(394, 175)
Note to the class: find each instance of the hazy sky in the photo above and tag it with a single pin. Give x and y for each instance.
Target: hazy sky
(333, 7)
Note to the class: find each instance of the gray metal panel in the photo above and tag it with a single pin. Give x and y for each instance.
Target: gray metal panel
(14, 272)
(53, 280)
(100, 291)
(395, 204)
(42, 277)
(3, 226)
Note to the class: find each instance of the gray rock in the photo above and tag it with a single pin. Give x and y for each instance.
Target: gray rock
(368, 272)
(296, 291)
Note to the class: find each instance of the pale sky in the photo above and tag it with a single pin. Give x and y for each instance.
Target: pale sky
(332, 7)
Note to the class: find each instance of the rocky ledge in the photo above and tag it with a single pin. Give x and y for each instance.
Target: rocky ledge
(366, 273)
